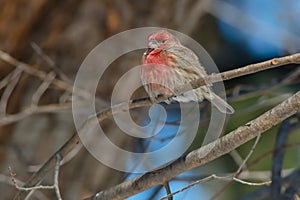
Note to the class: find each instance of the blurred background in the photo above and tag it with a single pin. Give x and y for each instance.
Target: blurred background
(54, 37)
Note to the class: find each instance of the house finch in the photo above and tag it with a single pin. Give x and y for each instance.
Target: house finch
(167, 64)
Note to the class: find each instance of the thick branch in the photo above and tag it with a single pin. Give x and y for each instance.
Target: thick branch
(206, 153)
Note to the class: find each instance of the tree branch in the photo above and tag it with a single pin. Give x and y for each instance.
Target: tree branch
(204, 154)
(249, 69)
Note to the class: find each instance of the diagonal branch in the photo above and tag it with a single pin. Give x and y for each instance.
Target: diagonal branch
(206, 153)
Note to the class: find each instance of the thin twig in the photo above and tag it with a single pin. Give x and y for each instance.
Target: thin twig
(252, 184)
(12, 75)
(56, 174)
(214, 176)
(248, 156)
(191, 185)
(42, 88)
(51, 63)
(264, 192)
(8, 90)
(8, 180)
(238, 172)
(50, 108)
(42, 75)
(38, 187)
(12, 175)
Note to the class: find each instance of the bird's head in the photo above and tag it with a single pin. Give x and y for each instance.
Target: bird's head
(162, 39)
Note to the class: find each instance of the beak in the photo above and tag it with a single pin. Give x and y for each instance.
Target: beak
(153, 44)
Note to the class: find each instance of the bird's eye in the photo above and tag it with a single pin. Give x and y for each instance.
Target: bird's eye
(163, 41)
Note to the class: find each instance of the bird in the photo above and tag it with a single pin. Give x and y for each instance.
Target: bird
(167, 64)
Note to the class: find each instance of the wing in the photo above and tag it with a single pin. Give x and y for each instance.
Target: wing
(189, 63)
(187, 60)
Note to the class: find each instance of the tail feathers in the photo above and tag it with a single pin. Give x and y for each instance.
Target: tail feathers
(218, 102)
